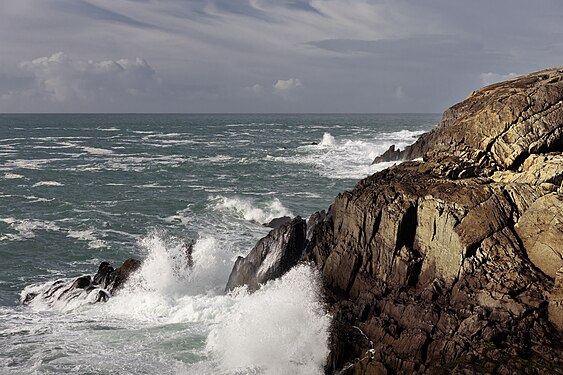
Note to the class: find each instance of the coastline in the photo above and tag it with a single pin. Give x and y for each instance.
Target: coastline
(454, 263)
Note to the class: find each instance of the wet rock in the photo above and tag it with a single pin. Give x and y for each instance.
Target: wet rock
(98, 288)
(121, 274)
(278, 221)
(272, 256)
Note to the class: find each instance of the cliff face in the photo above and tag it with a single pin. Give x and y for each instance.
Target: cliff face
(454, 264)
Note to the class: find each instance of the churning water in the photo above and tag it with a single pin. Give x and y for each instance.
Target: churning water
(76, 190)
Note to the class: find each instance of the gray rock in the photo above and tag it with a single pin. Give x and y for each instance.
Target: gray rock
(278, 221)
(272, 256)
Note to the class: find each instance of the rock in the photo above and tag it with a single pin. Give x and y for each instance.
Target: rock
(102, 277)
(497, 126)
(118, 277)
(448, 264)
(278, 221)
(99, 288)
(272, 256)
(453, 264)
(541, 231)
(555, 309)
(391, 154)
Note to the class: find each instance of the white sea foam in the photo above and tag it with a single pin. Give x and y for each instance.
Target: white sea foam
(327, 141)
(252, 210)
(47, 183)
(345, 157)
(26, 227)
(12, 176)
(280, 329)
(29, 163)
(97, 151)
(401, 135)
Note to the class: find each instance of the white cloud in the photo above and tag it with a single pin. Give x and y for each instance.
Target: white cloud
(256, 89)
(284, 88)
(490, 78)
(60, 78)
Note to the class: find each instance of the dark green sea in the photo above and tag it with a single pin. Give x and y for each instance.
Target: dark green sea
(76, 190)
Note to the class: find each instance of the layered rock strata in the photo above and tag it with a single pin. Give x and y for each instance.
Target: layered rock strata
(454, 264)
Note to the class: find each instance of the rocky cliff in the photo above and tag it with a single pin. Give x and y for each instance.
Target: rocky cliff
(454, 264)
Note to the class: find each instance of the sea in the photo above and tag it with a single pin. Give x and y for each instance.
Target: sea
(79, 189)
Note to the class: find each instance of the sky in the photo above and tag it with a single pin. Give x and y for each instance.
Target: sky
(267, 56)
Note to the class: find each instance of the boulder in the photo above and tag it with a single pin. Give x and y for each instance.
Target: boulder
(272, 256)
(98, 288)
(278, 221)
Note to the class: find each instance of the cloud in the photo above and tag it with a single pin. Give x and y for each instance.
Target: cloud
(60, 78)
(490, 78)
(350, 54)
(255, 89)
(284, 88)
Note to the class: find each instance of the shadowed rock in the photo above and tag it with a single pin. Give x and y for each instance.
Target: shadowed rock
(278, 221)
(272, 256)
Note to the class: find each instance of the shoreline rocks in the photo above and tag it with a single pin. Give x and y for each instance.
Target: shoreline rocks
(97, 288)
(454, 264)
(272, 256)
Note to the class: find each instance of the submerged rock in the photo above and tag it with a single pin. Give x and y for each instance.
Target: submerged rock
(272, 256)
(453, 264)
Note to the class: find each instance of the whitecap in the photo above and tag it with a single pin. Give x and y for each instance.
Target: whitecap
(26, 227)
(252, 210)
(327, 141)
(47, 183)
(12, 176)
(97, 150)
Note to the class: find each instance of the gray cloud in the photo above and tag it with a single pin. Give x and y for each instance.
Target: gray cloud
(353, 55)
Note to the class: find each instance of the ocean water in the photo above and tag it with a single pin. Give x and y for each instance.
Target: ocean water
(76, 190)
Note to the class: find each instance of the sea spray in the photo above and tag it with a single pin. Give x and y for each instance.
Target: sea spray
(108, 204)
(280, 329)
(252, 210)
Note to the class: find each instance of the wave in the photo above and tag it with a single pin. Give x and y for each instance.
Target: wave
(97, 151)
(252, 210)
(345, 157)
(26, 227)
(47, 183)
(12, 176)
(327, 141)
(280, 329)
